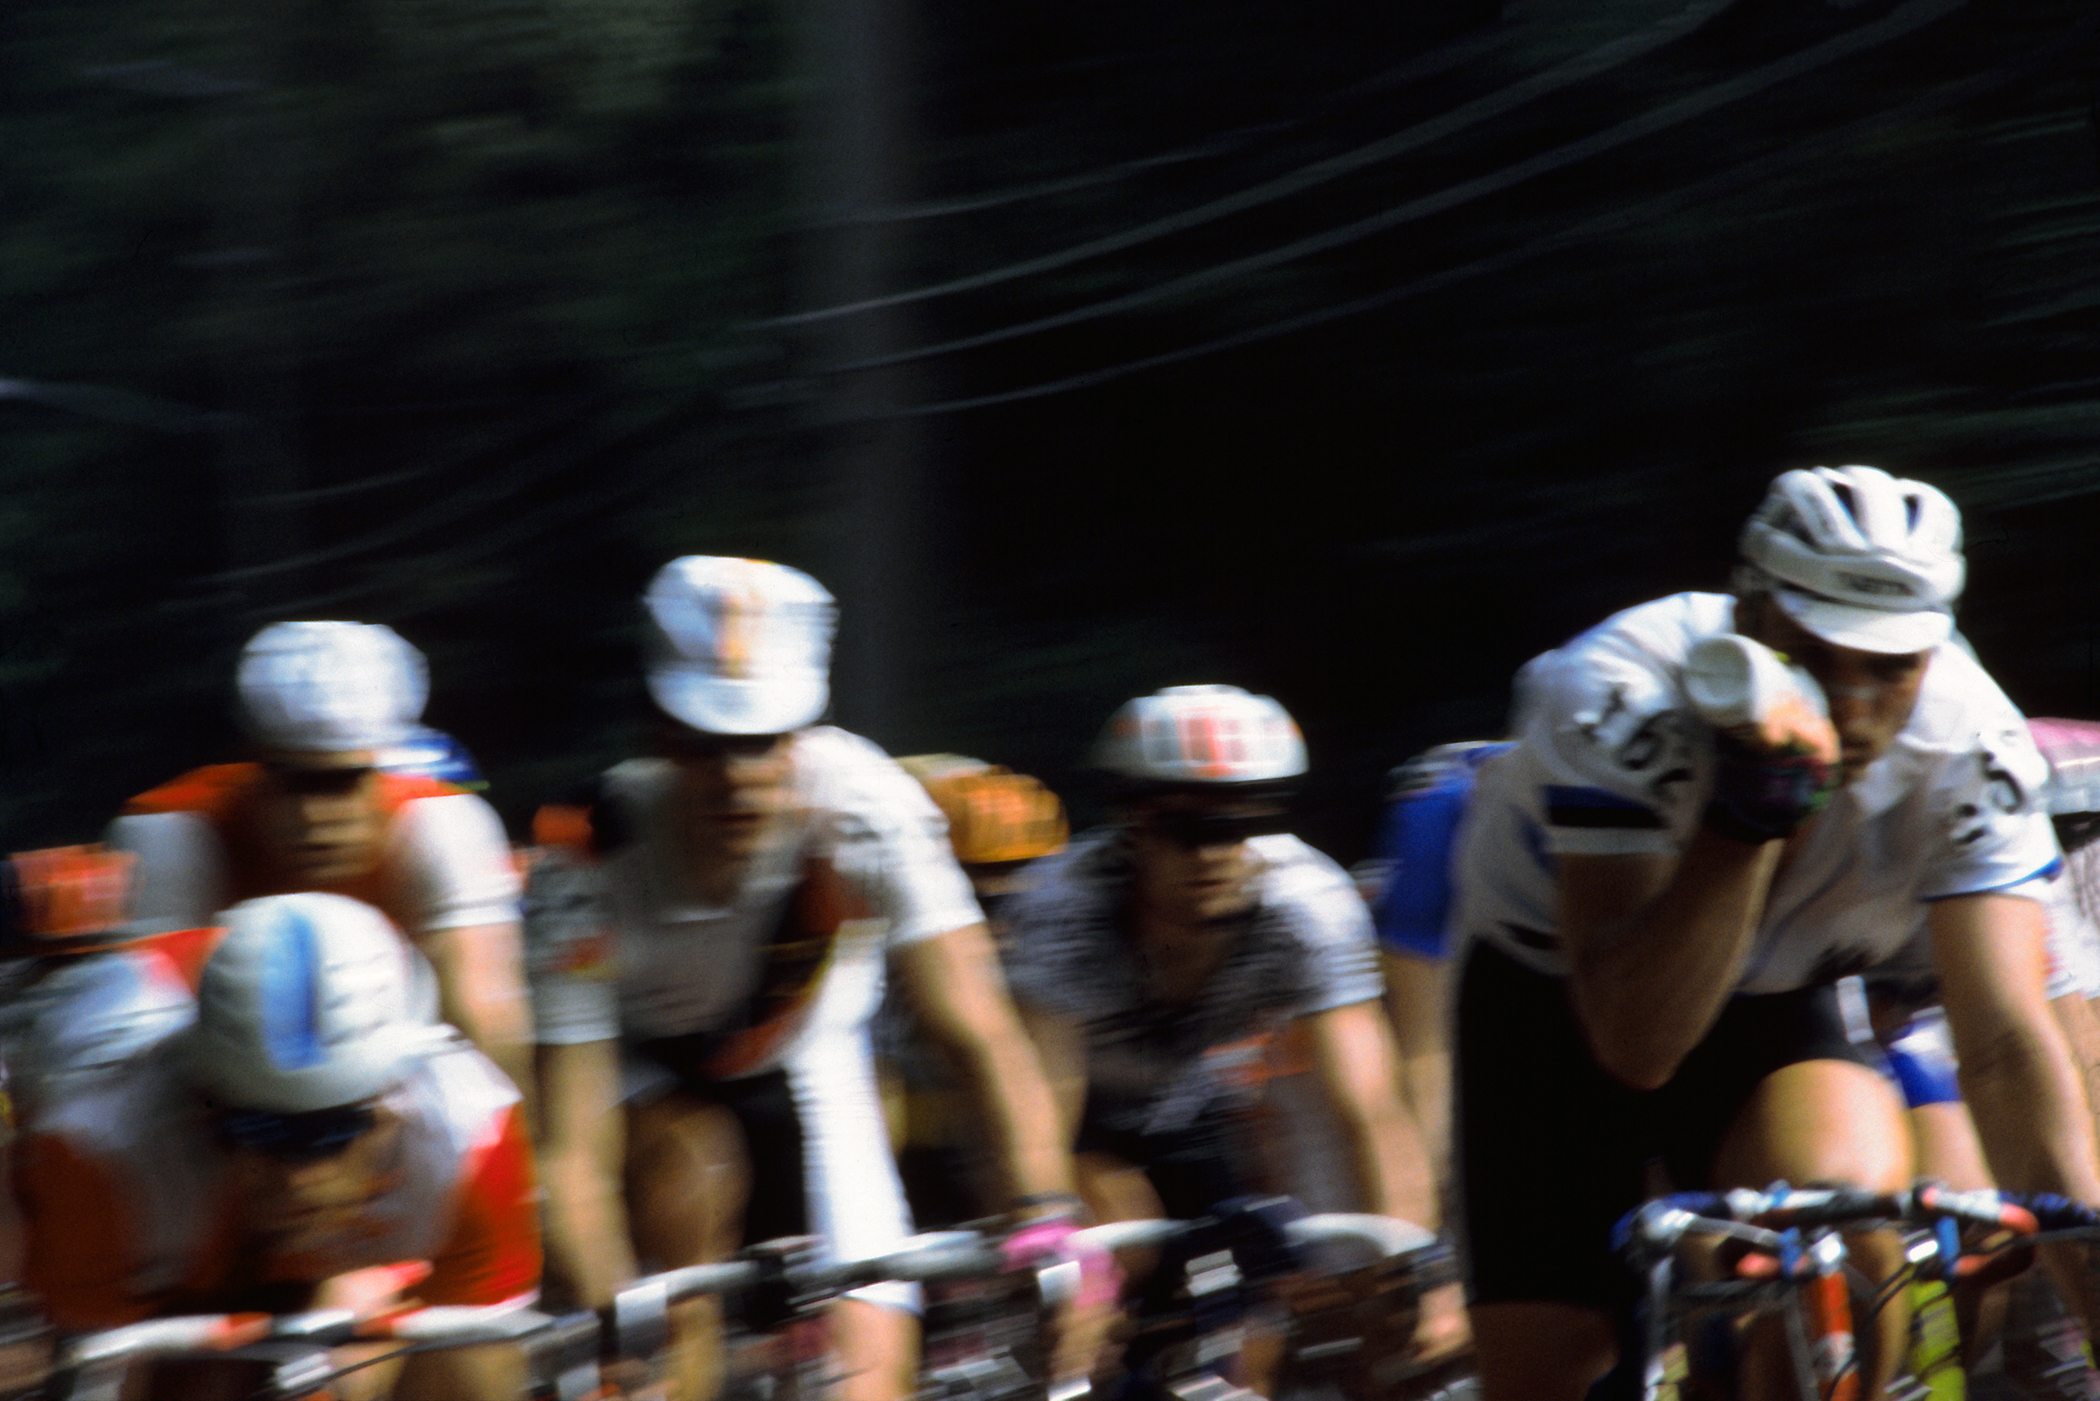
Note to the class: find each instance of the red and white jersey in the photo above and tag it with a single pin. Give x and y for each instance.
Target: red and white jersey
(132, 1209)
(92, 1015)
(445, 865)
(1612, 760)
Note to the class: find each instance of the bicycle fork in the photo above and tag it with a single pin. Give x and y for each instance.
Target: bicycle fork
(1819, 1319)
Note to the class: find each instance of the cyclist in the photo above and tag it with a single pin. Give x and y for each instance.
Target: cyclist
(1657, 913)
(1154, 958)
(999, 822)
(1411, 907)
(327, 705)
(707, 953)
(84, 992)
(306, 1124)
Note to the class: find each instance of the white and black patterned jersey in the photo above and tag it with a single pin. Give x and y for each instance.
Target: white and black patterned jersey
(1307, 947)
(1612, 760)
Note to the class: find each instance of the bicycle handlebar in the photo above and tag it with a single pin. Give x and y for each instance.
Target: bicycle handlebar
(1387, 1236)
(430, 1327)
(1757, 1218)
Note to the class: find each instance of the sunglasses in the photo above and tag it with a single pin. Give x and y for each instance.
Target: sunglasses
(683, 743)
(307, 1137)
(1191, 830)
(317, 782)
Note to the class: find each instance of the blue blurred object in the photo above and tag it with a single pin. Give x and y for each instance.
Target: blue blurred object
(1428, 799)
(429, 753)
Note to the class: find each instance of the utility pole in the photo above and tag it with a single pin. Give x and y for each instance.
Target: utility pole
(856, 161)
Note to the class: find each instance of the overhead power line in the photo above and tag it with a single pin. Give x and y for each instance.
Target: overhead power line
(1731, 181)
(1438, 60)
(1914, 15)
(1598, 60)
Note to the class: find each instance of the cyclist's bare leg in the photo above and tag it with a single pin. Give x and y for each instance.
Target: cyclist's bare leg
(686, 1186)
(878, 1351)
(1825, 1121)
(1540, 1351)
(464, 1374)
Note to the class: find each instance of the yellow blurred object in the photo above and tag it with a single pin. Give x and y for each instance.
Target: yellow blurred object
(994, 814)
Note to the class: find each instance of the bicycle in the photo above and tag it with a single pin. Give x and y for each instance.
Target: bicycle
(1188, 1330)
(283, 1357)
(1784, 1251)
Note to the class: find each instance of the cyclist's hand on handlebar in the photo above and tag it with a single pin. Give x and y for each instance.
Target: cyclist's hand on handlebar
(1087, 1283)
(1443, 1330)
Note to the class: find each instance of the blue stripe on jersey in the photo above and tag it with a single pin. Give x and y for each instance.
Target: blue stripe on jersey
(290, 999)
(1595, 807)
(2049, 872)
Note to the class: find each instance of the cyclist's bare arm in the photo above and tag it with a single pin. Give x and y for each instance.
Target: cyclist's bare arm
(481, 990)
(1353, 1054)
(1418, 998)
(2017, 1072)
(583, 1145)
(955, 985)
(1060, 1044)
(1655, 944)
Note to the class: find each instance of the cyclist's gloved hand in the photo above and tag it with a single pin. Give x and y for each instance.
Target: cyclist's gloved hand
(1055, 1240)
(1761, 794)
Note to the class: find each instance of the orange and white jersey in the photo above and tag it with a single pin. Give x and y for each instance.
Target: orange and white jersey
(445, 865)
(132, 1209)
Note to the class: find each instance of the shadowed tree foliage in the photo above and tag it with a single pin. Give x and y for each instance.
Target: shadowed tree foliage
(1352, 353)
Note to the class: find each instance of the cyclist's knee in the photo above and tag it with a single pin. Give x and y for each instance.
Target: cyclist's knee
(1541, 1351)
(1818, 1121)
(878, 1351)
(687, 1180)
(1114, 1188)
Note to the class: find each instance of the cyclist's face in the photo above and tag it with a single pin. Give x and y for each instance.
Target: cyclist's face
(1871, 694)
(319, 816)
(312, 1203)
(1193, 861)
(734, 787)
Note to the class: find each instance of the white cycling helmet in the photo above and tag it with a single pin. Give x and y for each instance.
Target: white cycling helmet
(307, 1003)
(327, 687)
(1201, 735)
(738, 646)
(1858, 557)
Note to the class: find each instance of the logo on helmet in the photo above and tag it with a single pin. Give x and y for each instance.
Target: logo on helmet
(1867, 583)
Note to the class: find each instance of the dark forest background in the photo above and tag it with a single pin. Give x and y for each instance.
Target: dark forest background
(1351, 352)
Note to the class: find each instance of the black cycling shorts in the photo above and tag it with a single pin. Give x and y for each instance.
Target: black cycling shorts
(1192, 1168)
(763, 1106)
(1553, 1150)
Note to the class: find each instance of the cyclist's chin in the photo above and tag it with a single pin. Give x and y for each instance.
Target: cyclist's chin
(1213, 902)
(329, 865)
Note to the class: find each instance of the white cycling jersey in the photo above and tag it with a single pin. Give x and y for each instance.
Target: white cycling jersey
(1612, 760)
(84, 1018)
(620, 949)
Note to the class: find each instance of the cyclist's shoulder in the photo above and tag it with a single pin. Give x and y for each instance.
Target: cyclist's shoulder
(455, 1097)
(1961, 707)
(1637, 653)
(212, 790)
(1308, 889)
(854, 779)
